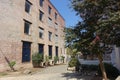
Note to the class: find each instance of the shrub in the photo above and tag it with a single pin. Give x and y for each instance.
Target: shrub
(111, 71)
(50, 57)
(89, 67)
(62, 58)
(73, 62)
(46, 58)
(56, 58)
(12, 64)
(36, 59)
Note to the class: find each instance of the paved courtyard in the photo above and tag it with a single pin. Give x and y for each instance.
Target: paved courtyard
(58, 72)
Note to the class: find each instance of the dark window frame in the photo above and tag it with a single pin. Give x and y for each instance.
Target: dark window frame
(56, 50)
(41, 48)
(50, 51)
(49, 9)
(26, 46)
(41, 2)
(27, 25)
(41, 15)
(56, 16)
(27, 6)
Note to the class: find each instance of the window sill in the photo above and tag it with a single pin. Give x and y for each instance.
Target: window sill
(27, 34)
(41, 38)
(42, 21)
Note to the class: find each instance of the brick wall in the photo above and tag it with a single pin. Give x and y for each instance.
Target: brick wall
(12, 15)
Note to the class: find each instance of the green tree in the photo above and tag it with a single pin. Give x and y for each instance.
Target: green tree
(99, 28)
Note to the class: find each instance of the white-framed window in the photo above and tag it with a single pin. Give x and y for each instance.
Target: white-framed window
(56, 26)
(49, 22)
(41, 33)
(56, 38)
(50, 36)
(49, 9)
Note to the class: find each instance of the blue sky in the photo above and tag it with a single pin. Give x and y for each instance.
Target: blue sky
(63, 6)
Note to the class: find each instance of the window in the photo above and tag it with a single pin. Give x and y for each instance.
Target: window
(41, 32)
(26, 51)
(41, 48)
(49, 9)
(56, 38)
(50, 22)
(27, 6)
(27, 27)
(41, 2)
(50, 36)
(56, 26)
(55, 15)
(56, 50)
(50, 51)
(41, 16)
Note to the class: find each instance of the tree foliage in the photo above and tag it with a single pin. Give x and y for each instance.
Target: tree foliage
(99, 28)
(100, 17)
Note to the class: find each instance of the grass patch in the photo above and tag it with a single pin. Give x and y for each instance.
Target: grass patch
(3, 74)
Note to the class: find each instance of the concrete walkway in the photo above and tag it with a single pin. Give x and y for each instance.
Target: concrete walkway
(58, 72)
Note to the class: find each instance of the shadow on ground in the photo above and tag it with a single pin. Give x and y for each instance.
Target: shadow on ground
(78, 76)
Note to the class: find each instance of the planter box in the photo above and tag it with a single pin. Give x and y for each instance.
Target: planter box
(71, 68)
(35, 65)
(42, 64)
(51, 62)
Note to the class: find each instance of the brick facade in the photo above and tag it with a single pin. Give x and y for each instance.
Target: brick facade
(12, 18)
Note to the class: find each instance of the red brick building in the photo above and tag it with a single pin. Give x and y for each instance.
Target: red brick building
(29, 26)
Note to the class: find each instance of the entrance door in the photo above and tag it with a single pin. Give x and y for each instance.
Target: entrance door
(26, 50)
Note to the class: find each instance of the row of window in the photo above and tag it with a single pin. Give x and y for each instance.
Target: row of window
(41, 31)
(50, 23)
(26, 50)
(41, 49)
(41, 35)
(49, 8)
(28, 5)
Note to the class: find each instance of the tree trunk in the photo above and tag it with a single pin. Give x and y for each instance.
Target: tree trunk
(102, 67)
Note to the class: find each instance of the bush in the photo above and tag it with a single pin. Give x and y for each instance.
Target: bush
(12, 64)
(56, 58)
(46, 58)
(111, 71)
(62, 58)
(37, 58)
(73, 62)
(89, 67)
(50, 57)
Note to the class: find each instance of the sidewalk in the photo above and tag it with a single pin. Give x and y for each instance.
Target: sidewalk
(58, 72)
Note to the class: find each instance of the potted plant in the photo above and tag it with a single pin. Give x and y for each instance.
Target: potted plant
(37, 58)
